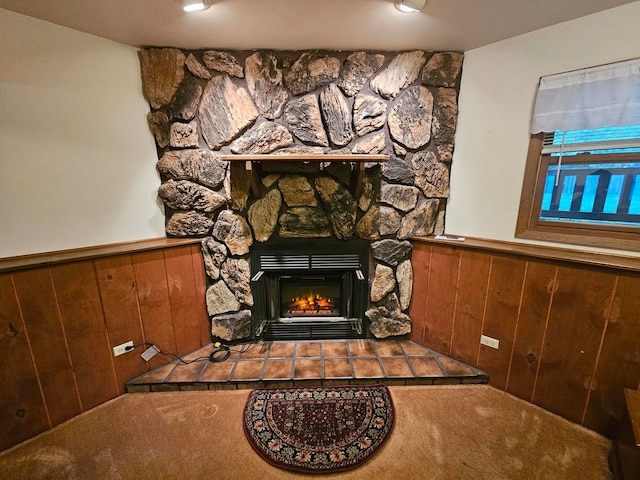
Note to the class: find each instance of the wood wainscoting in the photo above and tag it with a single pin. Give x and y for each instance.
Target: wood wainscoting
(60, 322)
(569, 331)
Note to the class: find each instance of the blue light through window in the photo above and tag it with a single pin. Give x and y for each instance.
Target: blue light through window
(568, 186)
(613, 194)
(599, 193)
(589, 195)
(596, 191)
(634, 203)
(597, 135)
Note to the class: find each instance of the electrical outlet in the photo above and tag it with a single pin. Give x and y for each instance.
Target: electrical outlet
(122, 348)
(489, 342)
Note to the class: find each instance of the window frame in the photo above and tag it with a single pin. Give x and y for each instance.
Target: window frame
(529, 225)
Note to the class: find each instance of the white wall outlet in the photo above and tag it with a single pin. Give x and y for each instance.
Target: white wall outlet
(122, 348)
(489, 342)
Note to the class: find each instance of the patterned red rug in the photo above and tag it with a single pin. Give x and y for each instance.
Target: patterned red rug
(318, 429)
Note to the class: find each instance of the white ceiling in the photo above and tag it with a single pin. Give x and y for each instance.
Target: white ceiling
(459, 25)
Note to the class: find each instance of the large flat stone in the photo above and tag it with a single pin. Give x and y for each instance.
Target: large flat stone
(162, 73)
(200, 166)
(297, 191)
(185, 102)
(369, 114)
(236, 273)
(391, 252)
(263, 215)
(233, 230)
(220, 299)
(389, 221)
(443, 69)
(183, 135)
(232, 326)
(431, 175)
(445, 116)
(421, 221)
(386, 319)
(223, 62)
(265, 83)
(304, 222)
(371, 144)
(368, 225)
(310, 71)
(340, 206)
(186, 195)
(401, 72)
(189, 224)
(213, 254)
(384, 282)
(159, 125)
(239, 186)
(264, 137)
(337, 115)
(404, 277)
(402, 197)
(397, 170)
(225, 111)
(304, 120)
(358, 68)
(411, 116)
(196, 68)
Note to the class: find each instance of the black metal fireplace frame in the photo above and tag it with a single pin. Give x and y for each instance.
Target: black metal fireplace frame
(300, 257)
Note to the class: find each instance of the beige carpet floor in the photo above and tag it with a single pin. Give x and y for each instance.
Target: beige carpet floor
(441, 432)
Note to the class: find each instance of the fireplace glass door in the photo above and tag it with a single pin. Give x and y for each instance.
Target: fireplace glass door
(318, 293)
(310, 296)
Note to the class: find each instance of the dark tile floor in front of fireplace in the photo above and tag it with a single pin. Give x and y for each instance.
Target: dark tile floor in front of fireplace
(331, 362)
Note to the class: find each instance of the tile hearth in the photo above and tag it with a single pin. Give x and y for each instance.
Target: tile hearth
(276, 364)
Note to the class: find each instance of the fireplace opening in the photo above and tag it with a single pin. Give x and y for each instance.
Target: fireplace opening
(308, 297)
(310, 290)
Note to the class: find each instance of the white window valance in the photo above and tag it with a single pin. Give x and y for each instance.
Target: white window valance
(604, 96)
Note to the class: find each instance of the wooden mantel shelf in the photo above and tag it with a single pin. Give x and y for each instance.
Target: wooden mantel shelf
(308, 157)
(360, 159)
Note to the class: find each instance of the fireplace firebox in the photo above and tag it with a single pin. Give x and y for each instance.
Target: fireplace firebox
(310, 296)
(310, 290)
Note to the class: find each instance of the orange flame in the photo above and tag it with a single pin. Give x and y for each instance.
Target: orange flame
(311, 302)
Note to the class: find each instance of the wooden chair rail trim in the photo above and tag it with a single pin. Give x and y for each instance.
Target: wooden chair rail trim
(87, 253)
(619, 262)
(550, 253)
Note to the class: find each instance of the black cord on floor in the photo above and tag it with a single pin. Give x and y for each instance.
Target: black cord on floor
(177, 357)
(219, 354)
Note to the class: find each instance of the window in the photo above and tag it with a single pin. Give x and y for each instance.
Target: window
(582, 185)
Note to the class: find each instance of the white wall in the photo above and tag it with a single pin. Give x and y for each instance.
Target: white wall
(78, 161)
(498, 88)
(77, 157)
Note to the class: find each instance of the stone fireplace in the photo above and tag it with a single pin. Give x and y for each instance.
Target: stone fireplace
(305, 174)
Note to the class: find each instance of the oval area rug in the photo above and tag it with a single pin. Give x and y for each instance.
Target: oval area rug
(318, 429)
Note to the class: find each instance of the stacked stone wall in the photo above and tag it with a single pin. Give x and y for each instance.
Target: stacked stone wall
(209, 103)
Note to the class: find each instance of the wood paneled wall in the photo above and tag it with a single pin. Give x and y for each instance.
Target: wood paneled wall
(60, 324)
(569, 333)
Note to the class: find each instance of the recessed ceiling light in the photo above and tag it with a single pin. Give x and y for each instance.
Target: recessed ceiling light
(410, 6)
(195, 5)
